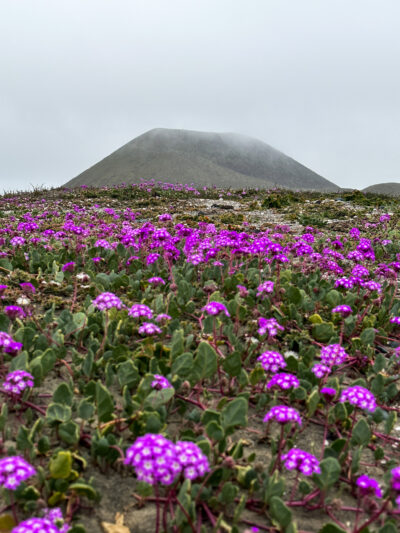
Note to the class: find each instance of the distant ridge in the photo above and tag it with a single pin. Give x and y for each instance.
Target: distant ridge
(389, 188)
(183, 156)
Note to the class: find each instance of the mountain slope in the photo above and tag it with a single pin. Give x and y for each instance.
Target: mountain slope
(389, 188)
(221, 159)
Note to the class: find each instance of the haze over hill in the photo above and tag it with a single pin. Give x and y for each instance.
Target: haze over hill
(221, 159)
(389, 188)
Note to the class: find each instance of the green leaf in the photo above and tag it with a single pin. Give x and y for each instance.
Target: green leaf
(63, 394)
(61, 465)
(233, 364)
(79, 319)
(85, 489)
(182, 365)
(361, 433)
(128, 374)
(368, 336)
(104, 402)
(330, 472)
(333, 298)
(331, 528)
(69, 432)
(294, 295)
(215, 431)
(157, 398)
(280, 512)
(312, 402)
(234, 413)
(205, 363)
(85, 410)
(7, 522)
(177, 343)
(228, 493)
(323, 332)
(57, 412)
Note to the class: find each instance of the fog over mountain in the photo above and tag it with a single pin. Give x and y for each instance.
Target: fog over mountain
(204, 159)
(389, 188)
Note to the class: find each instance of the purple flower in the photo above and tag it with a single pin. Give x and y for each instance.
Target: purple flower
(214, 308)
(360, 397)
(333, 354)
(152, 258)
(265, 287)
(368, 485)
(346, 283)
(17, 381)
(139, 310)
(37, 525)
(156, 281)
(107, 300)
(160, 382)
(8, 344)
(372, 286)
(154, 459)
(13, 471)
(193, 461)
(271, 361)
(102, 243)
(328, 391)
(396, 478)
(320, 370)
(3, 288)
(162, 316)
(68, 267)
(14, 311)
(243, 291)
(27, 287)
(17, 241)
(269, 325)
(97, 259)
(164, 217)
(283, 414)
(395, 320)
(303, 462)
(284, 381)
(344, 310)
(148, 328)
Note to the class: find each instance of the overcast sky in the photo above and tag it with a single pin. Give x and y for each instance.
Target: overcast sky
(316, 79)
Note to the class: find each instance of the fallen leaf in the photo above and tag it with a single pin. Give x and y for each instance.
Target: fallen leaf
(118, 527)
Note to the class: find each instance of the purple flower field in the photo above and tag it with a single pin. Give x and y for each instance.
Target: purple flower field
(199, 368)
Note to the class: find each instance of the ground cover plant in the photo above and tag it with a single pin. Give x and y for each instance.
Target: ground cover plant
(184, 360)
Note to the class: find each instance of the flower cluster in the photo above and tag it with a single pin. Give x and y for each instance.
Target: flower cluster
(333, 354)
(265, 288)
(368, 485)
(272, 361)
(283, 414)
(148, 328)
(192, 460)
(107, 300)
(158, 460)
(269, 325)
(214, 308)
(156, 280)
(13, 471)
(8, 344)
(14, 311)
(344, 310)
(304, 462)
(139, 310)
(395, 320)
(17, 381)
(319, 370)
(68, 267)
(284, 381)
(160, 382)
(360, 397)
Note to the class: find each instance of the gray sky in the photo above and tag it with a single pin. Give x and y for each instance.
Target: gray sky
(317, 79)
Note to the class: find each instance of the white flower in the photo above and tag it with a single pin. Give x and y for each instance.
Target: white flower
(23, 300)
